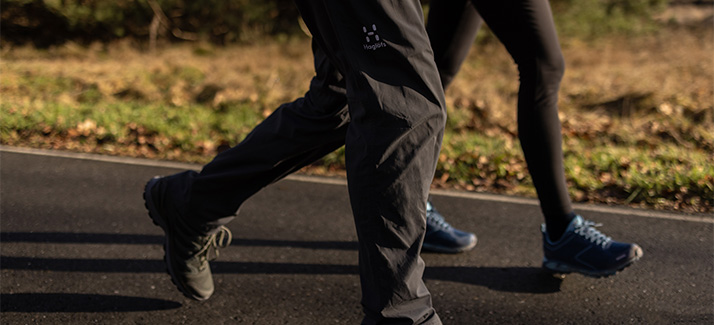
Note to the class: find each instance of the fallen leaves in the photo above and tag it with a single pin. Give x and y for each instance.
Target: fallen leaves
(199, 95)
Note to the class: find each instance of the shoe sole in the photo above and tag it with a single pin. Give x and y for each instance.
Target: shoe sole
(561, 269)
(448, 250)
(159, 221)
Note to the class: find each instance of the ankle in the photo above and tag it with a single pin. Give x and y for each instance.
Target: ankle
(556, 226)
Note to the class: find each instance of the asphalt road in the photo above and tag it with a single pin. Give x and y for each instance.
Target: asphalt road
(79, 248)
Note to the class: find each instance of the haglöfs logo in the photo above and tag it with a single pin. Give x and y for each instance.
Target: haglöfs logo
(373, 40)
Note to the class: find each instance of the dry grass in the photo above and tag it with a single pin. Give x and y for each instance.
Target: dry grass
(650, 98)
(268, 73)
(672, 72)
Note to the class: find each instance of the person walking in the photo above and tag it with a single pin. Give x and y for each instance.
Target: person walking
(392, 129)
(527, 30)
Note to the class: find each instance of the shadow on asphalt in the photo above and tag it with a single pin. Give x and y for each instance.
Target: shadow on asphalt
(85, 238)
(508, 279)
(79, 303)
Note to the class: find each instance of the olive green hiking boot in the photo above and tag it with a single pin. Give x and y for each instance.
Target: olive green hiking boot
(186, 252)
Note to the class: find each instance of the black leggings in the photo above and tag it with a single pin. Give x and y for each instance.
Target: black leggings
(527, 31)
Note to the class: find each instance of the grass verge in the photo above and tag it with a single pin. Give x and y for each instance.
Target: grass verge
(636, 113)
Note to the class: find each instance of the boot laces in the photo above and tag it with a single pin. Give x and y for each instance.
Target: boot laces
(220, 239)
(588, 231)
(436, 218)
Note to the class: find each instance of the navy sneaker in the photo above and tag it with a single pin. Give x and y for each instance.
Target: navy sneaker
(186, 252)
(584, 249)
(441, 237)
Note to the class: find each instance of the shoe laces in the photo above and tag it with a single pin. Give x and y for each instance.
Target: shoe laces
(587, 230)
(436, 218)
(220, 239)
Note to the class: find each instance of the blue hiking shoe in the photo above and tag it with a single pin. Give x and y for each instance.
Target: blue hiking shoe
(441, 237)
(584, 249)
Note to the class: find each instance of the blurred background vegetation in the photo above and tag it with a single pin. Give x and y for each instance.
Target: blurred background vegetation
(51, 22)
(183, 80)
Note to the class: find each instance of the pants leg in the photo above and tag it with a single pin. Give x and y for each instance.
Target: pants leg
(296, 134)
(452, 26)
(527, 30)
(397, 115)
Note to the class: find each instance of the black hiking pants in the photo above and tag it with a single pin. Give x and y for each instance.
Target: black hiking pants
(384, 102)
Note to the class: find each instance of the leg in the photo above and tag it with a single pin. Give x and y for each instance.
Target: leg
(452, 26)
(397, 119)
(570, 243)
(293, 136)
(192, 207)
(527, 30)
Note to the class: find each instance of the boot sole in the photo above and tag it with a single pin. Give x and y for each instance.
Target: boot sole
(448, 250)
(559, 269)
